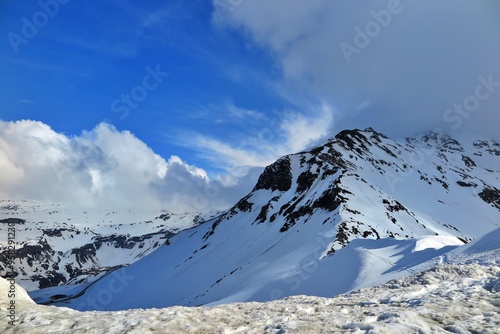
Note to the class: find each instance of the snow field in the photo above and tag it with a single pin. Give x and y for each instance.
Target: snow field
(450, 298)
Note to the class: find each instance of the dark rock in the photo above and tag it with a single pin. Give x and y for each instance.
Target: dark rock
(244, 205)
(85, 253)
(277, 176)
(305, 181)
(263, 213)
(328, 200)
(451, 144)
(51, 278)
(395, 206)
(468, 161)
(16, 221)
(353, 140)
(466, 184)
(164, 216)
(491, 196)
(293, 215)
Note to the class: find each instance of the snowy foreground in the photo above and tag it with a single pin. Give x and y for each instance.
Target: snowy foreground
(458, 292)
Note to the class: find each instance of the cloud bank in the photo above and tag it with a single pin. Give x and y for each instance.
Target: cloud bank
(105, 168)
(398, 66)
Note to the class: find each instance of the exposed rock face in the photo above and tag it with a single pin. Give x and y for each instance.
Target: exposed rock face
(276, 176)
(15, 221)
(492, 196)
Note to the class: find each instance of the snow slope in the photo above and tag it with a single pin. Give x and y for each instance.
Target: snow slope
(458, 292)
(352, 213)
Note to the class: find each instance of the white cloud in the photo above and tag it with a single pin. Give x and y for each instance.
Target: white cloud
(103, 168)
(301, 131)
(243, 113)
(426, 58)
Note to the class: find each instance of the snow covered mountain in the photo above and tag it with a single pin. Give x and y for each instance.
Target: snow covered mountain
(357, 211)
(458, 292)
(59, 245)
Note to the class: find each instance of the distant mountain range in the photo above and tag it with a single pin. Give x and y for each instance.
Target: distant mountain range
(59, 245)
(357, 211)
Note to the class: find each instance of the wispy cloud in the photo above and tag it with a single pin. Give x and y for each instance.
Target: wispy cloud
(242, 113)
(273, 136)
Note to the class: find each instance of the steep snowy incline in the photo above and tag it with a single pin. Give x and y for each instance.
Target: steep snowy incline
(435, 182)
(312, 222)
(461, 295)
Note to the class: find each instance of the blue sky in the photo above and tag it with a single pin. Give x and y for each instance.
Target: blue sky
(207, 92)
(91, 53)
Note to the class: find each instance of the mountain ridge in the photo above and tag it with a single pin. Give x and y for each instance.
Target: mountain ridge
(296, 225)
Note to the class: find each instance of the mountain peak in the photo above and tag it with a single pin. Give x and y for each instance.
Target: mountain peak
(276, 176)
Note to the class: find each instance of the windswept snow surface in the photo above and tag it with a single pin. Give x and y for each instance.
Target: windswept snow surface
(458, 292)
